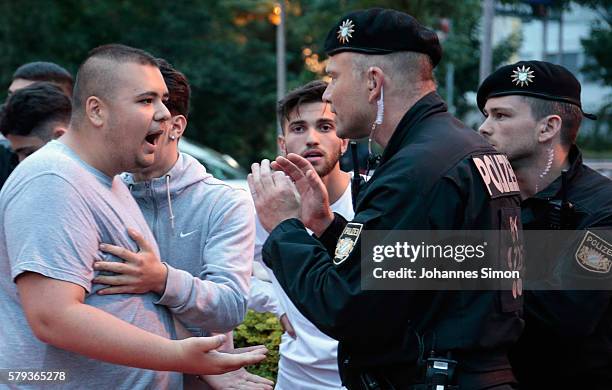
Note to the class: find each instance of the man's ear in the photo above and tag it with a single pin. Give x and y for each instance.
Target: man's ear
(344, 145)
(58, 131)
(96, 111)
(280, 140)
(549, 128)
(375, 78)
(178, 123)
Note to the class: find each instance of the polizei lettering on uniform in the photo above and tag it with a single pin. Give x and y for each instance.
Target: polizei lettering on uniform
(352, 231)
(497, 174)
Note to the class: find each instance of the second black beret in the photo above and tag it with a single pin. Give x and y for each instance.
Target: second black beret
(538, 79)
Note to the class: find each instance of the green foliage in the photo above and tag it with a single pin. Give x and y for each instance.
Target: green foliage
(598, 138)
(462, 49)
(231, 66)
(257, 329)
(598, 45)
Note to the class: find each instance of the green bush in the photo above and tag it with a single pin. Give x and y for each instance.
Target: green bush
(261, 328)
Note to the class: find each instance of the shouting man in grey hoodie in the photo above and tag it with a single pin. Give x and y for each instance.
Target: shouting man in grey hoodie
(205, 231)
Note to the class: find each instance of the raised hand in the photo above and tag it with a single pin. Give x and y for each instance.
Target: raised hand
(275, 196)
(315, 211)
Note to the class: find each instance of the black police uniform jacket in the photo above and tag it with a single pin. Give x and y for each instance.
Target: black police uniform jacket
(567, 342)
(425, 180)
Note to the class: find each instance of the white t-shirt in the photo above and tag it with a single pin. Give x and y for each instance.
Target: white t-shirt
(308, 362)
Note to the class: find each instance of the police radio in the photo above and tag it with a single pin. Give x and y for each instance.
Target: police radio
(440, 372)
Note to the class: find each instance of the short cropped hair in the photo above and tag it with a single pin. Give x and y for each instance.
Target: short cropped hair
(178, 89)
(35, 110)
(405, 67)
(571, 116)
(96, 75)
(46, 71)
(308, 93)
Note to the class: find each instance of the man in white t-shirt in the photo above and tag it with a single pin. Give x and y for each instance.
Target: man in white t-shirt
(308, 358)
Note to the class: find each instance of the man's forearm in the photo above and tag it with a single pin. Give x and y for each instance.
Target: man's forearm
(58, 316)
(91, 332)
(215, 305)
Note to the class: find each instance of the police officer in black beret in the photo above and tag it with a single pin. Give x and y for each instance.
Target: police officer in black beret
(382, 86)
(533, 113)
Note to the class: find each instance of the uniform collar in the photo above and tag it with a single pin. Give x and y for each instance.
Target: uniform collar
(428, 105)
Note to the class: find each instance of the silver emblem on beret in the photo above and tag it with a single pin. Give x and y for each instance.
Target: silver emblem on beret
(345, 30)
(522, 76)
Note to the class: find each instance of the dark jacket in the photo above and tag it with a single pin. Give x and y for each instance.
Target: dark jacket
(568, 334)
(426, 180)
(8, 161)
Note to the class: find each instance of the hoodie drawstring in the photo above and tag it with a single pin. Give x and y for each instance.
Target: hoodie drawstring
(169, 201)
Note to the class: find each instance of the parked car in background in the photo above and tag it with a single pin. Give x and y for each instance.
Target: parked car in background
(221, 166)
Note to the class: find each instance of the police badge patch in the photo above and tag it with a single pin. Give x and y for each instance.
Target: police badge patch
(347, 241)
(594, 254)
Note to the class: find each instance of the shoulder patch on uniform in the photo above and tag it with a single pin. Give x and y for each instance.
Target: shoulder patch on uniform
(594, 254)
(347, 241)
(497, 174)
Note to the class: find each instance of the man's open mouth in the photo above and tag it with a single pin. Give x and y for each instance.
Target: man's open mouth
(152, 138)
(312, 154)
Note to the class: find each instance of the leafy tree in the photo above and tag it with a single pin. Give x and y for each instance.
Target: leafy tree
(230, 64)
(598, 47)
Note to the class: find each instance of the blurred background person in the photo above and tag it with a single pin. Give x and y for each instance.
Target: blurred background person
(33, 116)
(28, 74)
(32, 72)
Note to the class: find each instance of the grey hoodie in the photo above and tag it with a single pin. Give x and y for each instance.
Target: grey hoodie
(205, 231)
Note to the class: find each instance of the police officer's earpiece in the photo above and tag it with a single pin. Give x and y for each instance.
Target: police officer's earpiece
(371, 79)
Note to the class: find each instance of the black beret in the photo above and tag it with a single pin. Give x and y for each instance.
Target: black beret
(382, 31)
(532, 78)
